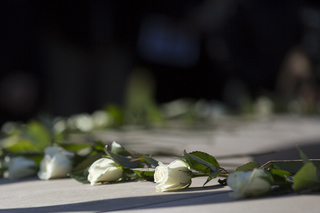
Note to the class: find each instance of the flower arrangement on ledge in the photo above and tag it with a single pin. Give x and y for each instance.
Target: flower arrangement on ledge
(249, 180)
(38, 148)
(114, 164)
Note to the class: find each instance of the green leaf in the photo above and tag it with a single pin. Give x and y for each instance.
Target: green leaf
(74, 147)
(305, 159)
(213, 174)
(37, 134)
(201, 162)
(98, 147)
(150, 160)
(80, 172)
(81, 176)
(124, 161)
(116, 148)
(248, 167)
(307, 178)
(78, 159)
(33, 137)
(280, 173)
(20, 146)
(292, 166)
(127, 175)
(87, 162)
(145, 173)
(280, 177)
(206, 157)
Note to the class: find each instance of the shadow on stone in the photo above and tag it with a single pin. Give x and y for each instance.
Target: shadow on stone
(312, 150)
(132, 203)
(9, 181)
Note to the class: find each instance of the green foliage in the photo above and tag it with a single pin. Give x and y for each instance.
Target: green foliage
(212, 175)
(279, 175)
(248, 167)
(116, 148)
(305, 159)
(280, 178)
(292, 166)
(145, 173)
(80, 175)
(86, 163)
(33, 137)
(38, 134)
(131, 166)
(307, 178)
(97, 148)
(149, 161)
(124, 161)
(201, 162)
(127, 175)
(204, 163)
(75, 147)
(19, 146)
(306, 175)
(81, 166)
(120, 155)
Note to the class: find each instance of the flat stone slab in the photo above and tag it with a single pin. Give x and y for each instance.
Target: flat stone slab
(241, 137)
(33, 195)
(67, 195)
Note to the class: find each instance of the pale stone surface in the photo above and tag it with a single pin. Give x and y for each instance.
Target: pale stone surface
(230, 137)
(61, 195)
(223, 204)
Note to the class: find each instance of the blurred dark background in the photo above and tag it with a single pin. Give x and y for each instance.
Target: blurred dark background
(67, 56)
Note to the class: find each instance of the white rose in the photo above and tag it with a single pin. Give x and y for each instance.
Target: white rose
(171, 177)
(55, 164)
(104, 170)
(249, 184)
(21, 167)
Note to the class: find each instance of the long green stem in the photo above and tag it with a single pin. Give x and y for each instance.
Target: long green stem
(199, 174)
(244, 155)
(223, 169)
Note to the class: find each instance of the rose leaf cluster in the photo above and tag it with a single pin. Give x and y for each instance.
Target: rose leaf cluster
(179, 173)
(117, 166)
(203, 163)
(275, 177)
